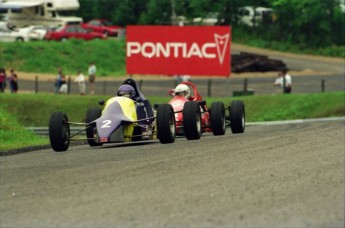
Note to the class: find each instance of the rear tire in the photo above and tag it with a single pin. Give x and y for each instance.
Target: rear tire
(192, 120)
(166, 126)
(59, 131)
(237, 117)
(217, 114)
(91, 115)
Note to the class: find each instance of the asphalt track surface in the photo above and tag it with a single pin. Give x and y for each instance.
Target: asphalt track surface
(282, 175)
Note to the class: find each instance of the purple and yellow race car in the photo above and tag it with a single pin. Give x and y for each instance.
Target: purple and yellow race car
(126, 117)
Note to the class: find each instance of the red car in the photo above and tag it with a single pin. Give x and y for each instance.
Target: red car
(192, 116)
(73, 31)
(102, 26)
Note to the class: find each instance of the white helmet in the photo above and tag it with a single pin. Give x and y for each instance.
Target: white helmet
(182, 90)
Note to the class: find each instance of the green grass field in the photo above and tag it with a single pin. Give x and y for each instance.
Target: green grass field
(18, 111)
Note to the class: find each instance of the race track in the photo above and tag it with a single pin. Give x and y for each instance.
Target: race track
(289, 175)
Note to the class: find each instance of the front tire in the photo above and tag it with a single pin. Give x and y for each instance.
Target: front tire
(91, 115)
(166, 126)
(59, 131)
(237, 117)
(217, 114)
(192, 120)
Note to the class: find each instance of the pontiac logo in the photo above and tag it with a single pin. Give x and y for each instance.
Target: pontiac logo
(221, 42)
(181, 49)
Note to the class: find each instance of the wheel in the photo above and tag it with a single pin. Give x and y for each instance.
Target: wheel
(91, 115)
(59, 131)
(63, 39)
(192, 120)
(217, 113)
(166, 126)
(237, 117)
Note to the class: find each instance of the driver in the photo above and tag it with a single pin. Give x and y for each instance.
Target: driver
(182, 90)
(126, 91)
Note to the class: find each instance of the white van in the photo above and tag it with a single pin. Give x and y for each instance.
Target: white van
(250, 16)
(22, 13)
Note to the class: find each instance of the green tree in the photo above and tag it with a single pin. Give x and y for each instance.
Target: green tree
(308, 22)
(158, 12)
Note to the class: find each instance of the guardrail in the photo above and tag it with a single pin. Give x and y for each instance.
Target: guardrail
(215, 87)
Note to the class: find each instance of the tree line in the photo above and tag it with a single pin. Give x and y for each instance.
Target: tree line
(314, 23)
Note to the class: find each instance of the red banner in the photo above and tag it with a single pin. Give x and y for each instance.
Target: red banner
(170, 50)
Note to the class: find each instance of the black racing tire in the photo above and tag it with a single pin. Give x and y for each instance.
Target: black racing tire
(166, 126)
(59, 131)
(237, 117)
(217, 115)
(192, 120)
(91, 115)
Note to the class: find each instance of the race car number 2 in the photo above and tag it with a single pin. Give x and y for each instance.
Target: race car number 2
(106, 124)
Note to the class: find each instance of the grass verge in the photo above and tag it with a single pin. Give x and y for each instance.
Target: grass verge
(25, 110)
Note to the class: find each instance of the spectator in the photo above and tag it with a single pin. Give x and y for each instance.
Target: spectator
(13, 80)
(284, 81)
(80, 79)
(92, 77)
(2, 80)
(63, 85)
(58, 81)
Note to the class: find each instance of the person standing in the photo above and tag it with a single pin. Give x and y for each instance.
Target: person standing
(92, 77)
(287, 81)
(2, 80)
(80, 79)
(284, 81)
(63, 85)
(58, 81)
(13, 80)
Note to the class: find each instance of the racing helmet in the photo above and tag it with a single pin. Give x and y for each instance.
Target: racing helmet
(182, 90)
(126, 91)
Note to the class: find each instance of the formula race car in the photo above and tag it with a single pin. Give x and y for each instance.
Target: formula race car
(122, 119)
(193, 117)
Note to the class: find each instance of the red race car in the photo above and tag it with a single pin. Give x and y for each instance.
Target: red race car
(193, 117)
(102, 26)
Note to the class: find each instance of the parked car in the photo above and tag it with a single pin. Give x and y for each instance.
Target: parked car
(73, 31)
(248, 15)
(212, 18)
(38, 32)
(9, 34)
(102, 26)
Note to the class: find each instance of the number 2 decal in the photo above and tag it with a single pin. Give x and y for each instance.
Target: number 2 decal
(106, 124)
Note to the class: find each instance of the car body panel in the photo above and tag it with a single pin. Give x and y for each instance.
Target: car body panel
(14, 34)
(117, 111)
(72, 31)
(102, 26)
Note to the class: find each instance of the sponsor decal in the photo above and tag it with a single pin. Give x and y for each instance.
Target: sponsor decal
(193, 50)
(103, 139)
